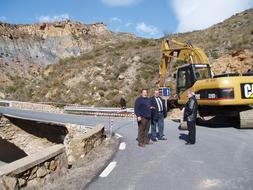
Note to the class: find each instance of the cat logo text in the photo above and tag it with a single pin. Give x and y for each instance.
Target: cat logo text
(247, 90)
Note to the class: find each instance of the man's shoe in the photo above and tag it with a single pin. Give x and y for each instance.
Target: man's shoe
(149, 142)
(189, 143)
(162, 138)
(154, 139)
(141, 145)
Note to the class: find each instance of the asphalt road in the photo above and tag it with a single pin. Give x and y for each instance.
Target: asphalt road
(221, 159)
(47, 117)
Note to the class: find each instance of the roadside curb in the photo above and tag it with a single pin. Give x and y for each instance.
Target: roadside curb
(107, 162)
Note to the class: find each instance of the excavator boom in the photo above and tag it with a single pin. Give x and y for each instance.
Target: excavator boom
(184, 52)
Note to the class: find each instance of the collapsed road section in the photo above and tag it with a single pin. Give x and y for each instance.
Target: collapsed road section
(36, 146)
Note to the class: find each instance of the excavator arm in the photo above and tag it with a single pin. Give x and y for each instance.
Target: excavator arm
(183, 52)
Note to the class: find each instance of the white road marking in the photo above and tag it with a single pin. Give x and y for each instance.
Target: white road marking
(118, 135)
(122, 146)
(198, 161)
(108, 169)
(209, 183)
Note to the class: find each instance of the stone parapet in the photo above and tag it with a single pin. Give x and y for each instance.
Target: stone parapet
(34, 168)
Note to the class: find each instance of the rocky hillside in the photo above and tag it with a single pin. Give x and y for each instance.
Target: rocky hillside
(46, 43)
(26, 49)
(87, 64)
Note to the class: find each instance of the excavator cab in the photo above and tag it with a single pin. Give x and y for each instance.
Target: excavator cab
(188, 74)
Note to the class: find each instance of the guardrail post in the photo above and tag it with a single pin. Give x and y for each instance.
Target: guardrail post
(133, 119)
(110, 126)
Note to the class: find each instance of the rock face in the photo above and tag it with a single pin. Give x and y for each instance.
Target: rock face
(26, 49)
(237, 61)
(47, 42)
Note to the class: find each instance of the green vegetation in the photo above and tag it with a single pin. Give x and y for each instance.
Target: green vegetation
(123, 67)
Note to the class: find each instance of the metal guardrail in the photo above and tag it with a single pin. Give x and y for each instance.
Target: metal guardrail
(101, 111)
(129, 112)
(77, 109)
(97, 109)
(5, 103)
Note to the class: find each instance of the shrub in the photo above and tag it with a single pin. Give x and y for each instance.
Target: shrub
(123, 67)
(214, 55)
(143, 42)
(11, 89)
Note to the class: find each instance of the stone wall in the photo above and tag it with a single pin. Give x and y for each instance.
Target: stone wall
(38, 140)
(33, 170)
(79, 144)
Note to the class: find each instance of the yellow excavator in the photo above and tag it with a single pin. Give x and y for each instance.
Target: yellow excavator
(228, 95)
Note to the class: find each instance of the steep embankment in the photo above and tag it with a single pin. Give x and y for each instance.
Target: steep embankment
(110, 64)
(25, 50)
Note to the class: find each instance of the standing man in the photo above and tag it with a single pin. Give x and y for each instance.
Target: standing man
(143, 113)
(158, 113)
(122, 102)
(190, 115)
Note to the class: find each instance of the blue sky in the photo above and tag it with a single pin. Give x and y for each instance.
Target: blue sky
(147, 18)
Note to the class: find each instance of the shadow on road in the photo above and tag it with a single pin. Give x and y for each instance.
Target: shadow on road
(219, 122)
(10, 152)
(53, 132)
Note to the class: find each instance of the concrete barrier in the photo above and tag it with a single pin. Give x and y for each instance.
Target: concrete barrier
(33, 168)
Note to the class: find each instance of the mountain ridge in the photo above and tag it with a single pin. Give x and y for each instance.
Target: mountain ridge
(120, 64)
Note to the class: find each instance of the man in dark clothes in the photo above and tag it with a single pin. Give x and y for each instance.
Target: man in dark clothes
(122, 103)
(190, 115)
(158, 113)
(143, 113)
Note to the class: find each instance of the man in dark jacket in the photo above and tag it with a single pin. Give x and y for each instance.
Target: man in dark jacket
(158, 113)
(190, 115)
(122, 103)
(143, 113)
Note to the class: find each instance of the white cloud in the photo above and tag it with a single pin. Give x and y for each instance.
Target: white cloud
(53, 18)
(196, 14)
(128, 24)
(2, 18)
(120, 3)
(148, 29)
(115, 19)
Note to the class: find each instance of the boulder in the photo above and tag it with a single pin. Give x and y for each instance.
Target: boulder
(2, 95)
(21, 182)
(10, 183)
(121, 77)
(53, 165)
(136, 58)
(41, 172)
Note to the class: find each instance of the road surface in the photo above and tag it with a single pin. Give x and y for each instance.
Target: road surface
(222, 158)
(47, 117)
